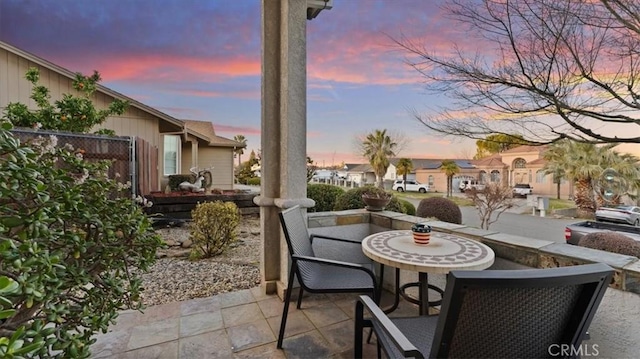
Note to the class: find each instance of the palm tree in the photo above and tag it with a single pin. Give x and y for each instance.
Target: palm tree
(240, 150)
(555, 165)
(377, 147)
(584, 163)
(404, 167)
(450, 168)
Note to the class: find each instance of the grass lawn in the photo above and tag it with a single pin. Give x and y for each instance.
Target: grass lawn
(460, 201)
(560, 204)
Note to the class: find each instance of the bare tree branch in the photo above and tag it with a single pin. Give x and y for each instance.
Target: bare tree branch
(550, 70)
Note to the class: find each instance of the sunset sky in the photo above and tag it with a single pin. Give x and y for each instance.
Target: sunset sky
(200, 60)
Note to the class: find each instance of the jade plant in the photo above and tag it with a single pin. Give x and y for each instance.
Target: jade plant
(72, 240)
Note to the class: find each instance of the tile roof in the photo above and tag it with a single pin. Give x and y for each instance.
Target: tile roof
(205, 129)
(432, 163)
(494, 160)
(361, 168)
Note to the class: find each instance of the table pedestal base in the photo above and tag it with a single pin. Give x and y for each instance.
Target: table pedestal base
(423, 293)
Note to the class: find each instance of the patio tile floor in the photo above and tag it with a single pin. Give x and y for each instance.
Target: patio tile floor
(242, 324)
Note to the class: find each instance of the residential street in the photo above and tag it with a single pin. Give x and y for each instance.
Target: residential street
(547, 228)
(513, 222)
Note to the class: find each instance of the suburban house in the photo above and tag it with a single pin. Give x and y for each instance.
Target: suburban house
(522, 164)
(175, 145)
(204, 149)
(361, 174)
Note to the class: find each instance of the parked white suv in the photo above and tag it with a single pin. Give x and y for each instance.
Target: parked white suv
(471, 184)
(413, 186)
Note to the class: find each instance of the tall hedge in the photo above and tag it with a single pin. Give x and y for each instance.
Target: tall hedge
(325, 196)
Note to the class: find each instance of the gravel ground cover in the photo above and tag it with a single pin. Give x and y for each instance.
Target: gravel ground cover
(176, 278)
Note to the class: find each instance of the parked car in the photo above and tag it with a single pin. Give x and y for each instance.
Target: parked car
(470, 184)
(574, 232)
(619, 214)
(413, 186)
(522, 190)
(323, 175)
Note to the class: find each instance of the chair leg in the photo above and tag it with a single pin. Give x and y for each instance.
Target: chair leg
(285, 311)
(381, 283)
(377, 297)
(357, 343)
(300, 298)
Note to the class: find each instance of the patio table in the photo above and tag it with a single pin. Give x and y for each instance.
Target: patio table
(444, 253)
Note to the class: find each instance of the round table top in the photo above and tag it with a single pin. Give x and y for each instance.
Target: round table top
(445, 252)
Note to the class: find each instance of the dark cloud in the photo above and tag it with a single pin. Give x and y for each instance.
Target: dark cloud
(185, 27)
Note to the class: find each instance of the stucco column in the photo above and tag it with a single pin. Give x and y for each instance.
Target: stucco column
(284, 130)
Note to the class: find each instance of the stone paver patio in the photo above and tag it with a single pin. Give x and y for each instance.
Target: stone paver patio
(242, 324)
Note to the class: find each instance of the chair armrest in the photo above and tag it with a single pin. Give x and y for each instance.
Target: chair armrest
(338, 264)
(334, 239)
(390, 330)
(345, 250)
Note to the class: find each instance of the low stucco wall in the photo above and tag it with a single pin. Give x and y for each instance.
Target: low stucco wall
(614, 332)
(525, 251)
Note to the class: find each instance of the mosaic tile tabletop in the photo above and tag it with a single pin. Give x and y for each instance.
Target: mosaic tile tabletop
(445, 252)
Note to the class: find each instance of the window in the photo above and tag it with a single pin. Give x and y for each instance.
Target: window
(430, 180)
(483, 177)
(495, 176)
(171, 155)
(540, 176)
(519, 163)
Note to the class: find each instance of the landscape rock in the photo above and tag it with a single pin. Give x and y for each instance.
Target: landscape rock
(176, 278)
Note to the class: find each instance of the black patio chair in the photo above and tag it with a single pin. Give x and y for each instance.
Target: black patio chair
(339, 267)
(496, 314)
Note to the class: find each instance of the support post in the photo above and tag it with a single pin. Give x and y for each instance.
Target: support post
(284, 131)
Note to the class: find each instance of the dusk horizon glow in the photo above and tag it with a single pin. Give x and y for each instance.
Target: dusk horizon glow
(200, 60)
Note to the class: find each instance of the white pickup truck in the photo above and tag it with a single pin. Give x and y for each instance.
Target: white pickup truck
(522, 190)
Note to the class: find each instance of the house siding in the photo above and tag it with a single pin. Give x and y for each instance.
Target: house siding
(15, 88)
(138, 121)
(221, 159)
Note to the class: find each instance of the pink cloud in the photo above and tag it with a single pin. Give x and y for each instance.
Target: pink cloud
(251, 95)
(135, 67)
(334, 158)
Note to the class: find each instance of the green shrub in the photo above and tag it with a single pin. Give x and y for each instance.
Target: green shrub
(213, 228)
(71, 113)
(325, 196)
(409, 208)
(70, 238)
(352, 199)
(613, 242)
(253, 181)
(175, 180)
(441, 208)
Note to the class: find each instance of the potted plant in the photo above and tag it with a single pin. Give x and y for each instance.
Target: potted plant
(375, 201)
(421, 233)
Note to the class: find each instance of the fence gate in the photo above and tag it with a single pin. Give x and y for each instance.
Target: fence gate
(145, 166)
